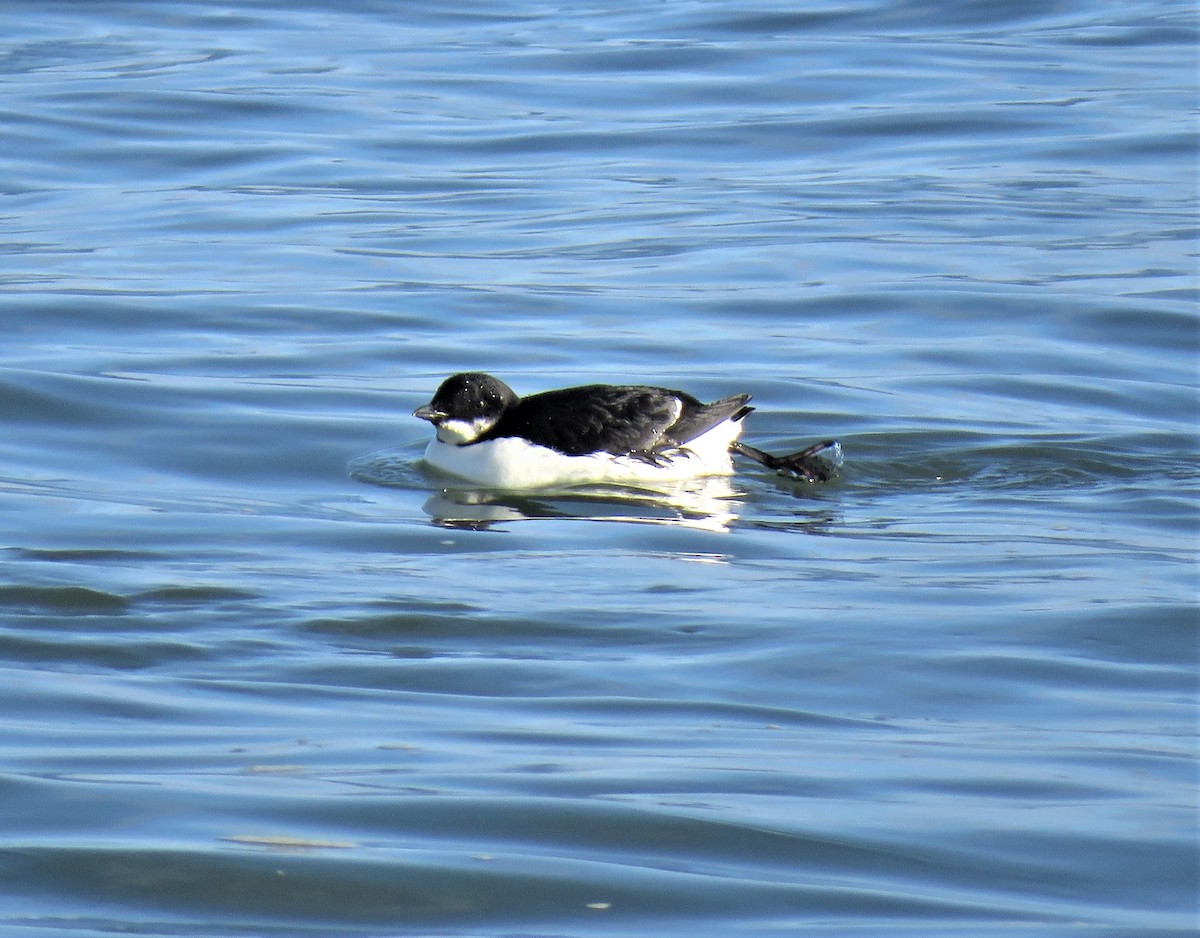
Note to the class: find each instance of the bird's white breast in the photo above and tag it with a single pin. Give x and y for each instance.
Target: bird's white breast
(514, 463)
(462, 431)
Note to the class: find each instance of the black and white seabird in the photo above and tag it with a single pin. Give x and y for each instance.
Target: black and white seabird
(624, 434)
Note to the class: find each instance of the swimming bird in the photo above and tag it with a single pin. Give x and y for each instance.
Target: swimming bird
(624, 434)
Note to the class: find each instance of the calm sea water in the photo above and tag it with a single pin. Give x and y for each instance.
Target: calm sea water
(261, 675)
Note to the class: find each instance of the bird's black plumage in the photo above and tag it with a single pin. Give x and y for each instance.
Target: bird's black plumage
(613, 419)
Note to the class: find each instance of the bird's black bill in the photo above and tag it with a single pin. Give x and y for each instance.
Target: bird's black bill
(427, 412)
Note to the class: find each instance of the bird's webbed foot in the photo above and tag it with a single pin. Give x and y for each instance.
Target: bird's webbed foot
(816, 463)
(660, 458)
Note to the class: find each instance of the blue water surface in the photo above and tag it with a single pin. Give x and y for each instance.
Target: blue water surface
(262, 674)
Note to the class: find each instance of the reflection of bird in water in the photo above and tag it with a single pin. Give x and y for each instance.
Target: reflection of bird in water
(709, 504)
(600, 433)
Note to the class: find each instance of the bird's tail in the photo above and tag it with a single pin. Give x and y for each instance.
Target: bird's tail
(708, 416)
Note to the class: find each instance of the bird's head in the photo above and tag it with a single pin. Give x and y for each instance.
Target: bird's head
(466, 406)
